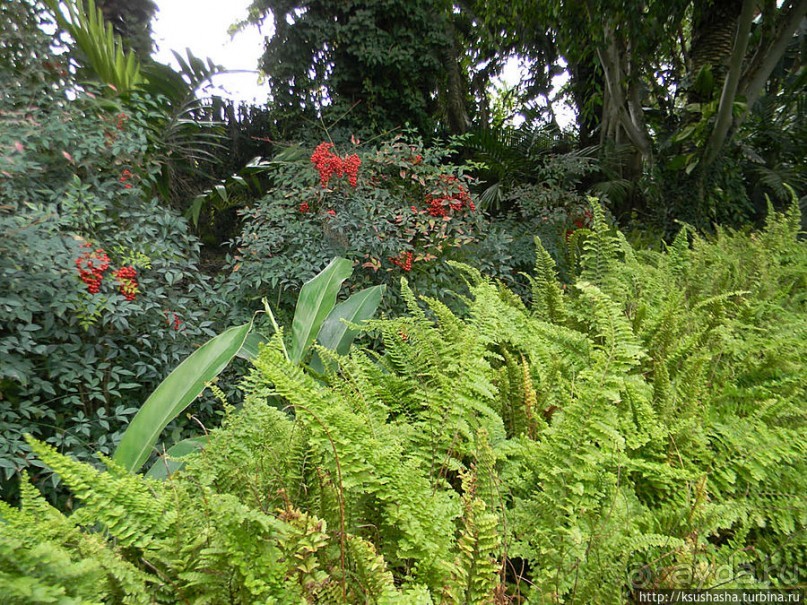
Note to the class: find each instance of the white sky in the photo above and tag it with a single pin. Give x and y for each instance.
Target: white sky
(201, 25)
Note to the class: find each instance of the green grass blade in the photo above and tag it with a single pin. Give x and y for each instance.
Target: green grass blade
(176, 393)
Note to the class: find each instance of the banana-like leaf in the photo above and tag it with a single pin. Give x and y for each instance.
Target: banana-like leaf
(172, 461)
(336, 334)
(249, 350)
(176, 393)
(317, 299)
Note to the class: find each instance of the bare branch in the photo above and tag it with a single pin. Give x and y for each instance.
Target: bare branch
(764, 62)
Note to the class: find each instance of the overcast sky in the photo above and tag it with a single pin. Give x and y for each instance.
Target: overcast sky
(201, 25)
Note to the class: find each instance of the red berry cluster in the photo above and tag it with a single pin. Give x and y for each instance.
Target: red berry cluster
(304, 207)
(440, 205)
(581, 221)
(351, 165)
(127, 282)
(173, 320)
(122, 117)
(329, 164)
(91, 265)
(124, 177)
(404, 261)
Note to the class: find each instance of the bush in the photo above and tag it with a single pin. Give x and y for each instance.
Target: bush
(101, 295)
(398, 209)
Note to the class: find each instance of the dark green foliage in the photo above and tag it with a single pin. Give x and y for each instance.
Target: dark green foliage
(27, 63)
(644, 428)
(380, 61)
(75, 365)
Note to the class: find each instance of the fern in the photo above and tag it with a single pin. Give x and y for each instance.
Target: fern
(643, 428)
(475, 573)
(547, 297)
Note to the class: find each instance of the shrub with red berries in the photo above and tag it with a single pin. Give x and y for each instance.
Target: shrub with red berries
(404, 260)
(582, 221)
(450, 196)
(174, 320)
(392, 208)
(125, 176)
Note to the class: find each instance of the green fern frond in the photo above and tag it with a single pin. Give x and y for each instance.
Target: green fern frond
(547, 297)
(475, 572)
(600, 262)
(126, 506)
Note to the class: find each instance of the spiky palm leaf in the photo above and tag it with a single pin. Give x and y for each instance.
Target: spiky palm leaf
(103, 51)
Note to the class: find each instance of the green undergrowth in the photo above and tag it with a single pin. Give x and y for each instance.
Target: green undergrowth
(641, 428)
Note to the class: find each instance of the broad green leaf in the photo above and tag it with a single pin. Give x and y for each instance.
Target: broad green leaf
(196, 209)
(249, 350)
(171, 461)
(335, 334)
(176, 393)
(317, 299)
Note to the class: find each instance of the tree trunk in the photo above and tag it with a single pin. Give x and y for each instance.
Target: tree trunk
(454, 103)
(713, 31)
(622, 101)
(725, 113)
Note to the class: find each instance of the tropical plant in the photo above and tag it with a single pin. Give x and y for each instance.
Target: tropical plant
(642, 429)
(180, 140)
(131, 20)
(317, 318)
(102, 52)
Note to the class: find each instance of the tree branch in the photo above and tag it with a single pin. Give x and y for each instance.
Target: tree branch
(725, 112)
(612, 69)
(763, 64)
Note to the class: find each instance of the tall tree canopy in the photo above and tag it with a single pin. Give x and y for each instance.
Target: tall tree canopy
(650, 53)
(672, 80)
(388, 62)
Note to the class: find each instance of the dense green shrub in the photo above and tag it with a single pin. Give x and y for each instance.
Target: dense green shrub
(556, 214)
(406, 211)
(642, 429)
(76, 360)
